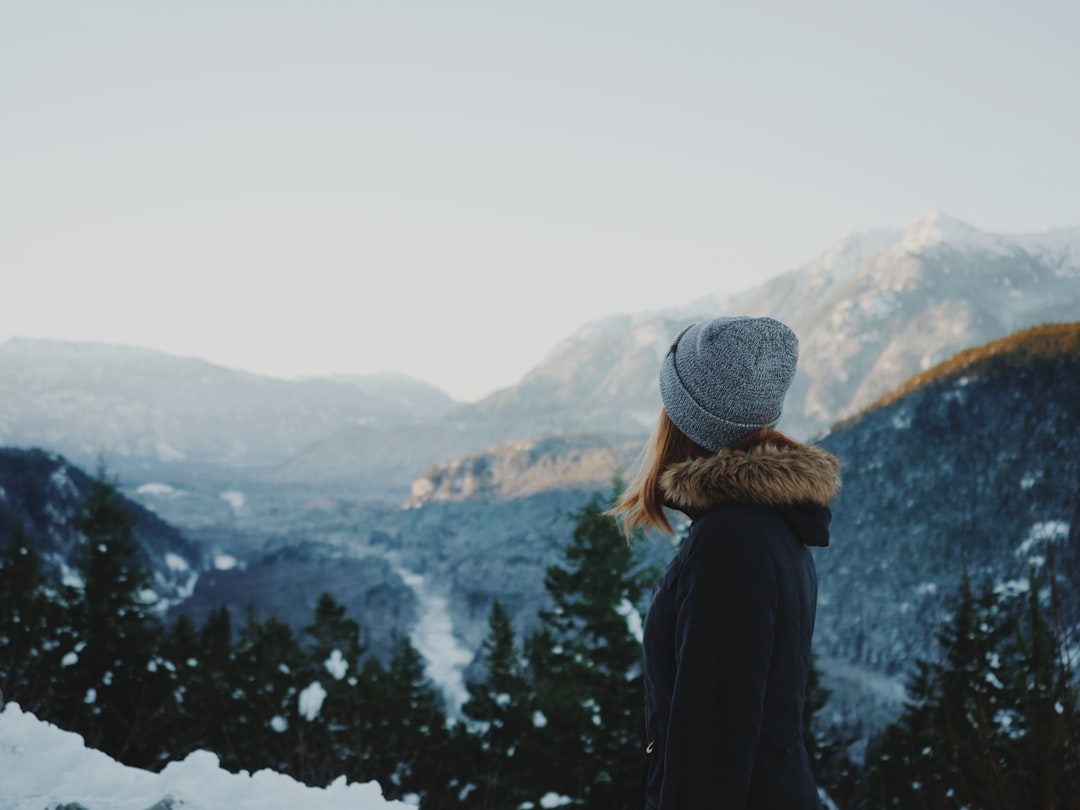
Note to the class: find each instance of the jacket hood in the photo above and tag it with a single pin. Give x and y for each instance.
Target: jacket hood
(800, 479)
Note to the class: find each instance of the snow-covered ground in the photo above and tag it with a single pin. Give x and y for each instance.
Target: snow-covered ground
(42, 767)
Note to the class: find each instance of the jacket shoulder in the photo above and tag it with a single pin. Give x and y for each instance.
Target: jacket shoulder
(736, 527)
(734, 538)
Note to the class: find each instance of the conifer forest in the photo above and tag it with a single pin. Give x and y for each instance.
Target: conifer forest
(991, 722)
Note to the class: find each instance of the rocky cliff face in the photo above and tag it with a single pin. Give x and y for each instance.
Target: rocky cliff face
(525, 467)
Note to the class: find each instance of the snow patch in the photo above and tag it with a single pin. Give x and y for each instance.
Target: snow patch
(70, 577)
(233, 498)
(1012, 587)
(175, 562)
(336, 665)
(551, 800)
(1041, 533)
(45, 767)
(311, 700)
(61, 482)
(935, 228)
(633, 618)
(224, 562)
(156, 489)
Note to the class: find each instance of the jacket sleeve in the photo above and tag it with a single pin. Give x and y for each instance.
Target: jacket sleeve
(725, 606)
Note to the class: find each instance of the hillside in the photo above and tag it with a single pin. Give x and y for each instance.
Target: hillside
(43, 494)
(974, 464)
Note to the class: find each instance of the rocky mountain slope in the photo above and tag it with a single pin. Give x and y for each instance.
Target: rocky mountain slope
(526, 467)
(871, 311)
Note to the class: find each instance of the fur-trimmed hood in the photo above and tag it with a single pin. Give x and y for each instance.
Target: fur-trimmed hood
(783, 473)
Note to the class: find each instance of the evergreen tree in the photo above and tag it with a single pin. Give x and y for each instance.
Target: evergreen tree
(269, 674)
(412, 730)
(1044, 724)
(112, 694)
(35, 627)
(501, 708)
(993, 723)
(827, 744)
(586, 663)
(333, 650)
(183, 727)
(210, 699)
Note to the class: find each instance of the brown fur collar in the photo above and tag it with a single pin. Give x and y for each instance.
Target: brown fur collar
(772, 473)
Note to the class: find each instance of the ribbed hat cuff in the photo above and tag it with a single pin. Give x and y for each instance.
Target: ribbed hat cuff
(706, 429)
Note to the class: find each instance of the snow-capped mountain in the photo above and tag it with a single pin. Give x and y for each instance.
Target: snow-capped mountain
(871, 310)
(132, 405)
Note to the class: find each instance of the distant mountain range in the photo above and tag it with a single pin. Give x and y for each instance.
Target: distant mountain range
(134, 405)
(871, 311)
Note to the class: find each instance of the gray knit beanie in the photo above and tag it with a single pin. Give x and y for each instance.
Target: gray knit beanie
(726, 378)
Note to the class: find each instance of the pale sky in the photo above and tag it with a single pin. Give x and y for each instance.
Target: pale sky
(447, 189)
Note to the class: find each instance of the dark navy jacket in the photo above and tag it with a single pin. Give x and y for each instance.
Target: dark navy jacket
(727, 647)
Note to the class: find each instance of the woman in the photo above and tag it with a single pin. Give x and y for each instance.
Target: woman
(727, 638)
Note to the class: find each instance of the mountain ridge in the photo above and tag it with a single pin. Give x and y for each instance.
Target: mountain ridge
(872, 309)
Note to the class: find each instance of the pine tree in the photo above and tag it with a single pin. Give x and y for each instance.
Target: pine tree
(501, 708)
(210, 701)
(182, 727)
(993, 723)
(269, 674)
(111, 693)
(932, 756)
(35, 627)
(333, 651)
(1045, 724)
(827, 743)
(586, 662)
(413, 730)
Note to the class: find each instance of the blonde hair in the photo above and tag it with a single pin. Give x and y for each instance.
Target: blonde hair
(641, 504)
